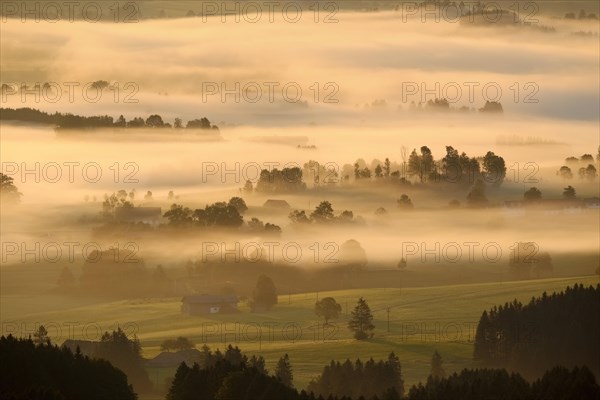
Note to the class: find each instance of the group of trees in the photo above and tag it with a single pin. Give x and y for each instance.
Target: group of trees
(9, 193)
(115, 201)
(71, 121)
(286, 180)
(257, 226)
(533, 195)
(584, 166)
(44, 371)
(456, 167)
(47, 372)
(386, 171)
(581, 15)
(353, 380)
(220, 214)
(232, 375)
(419, 166)
(560, 329)
(322, 214)
(126, 354)
(477, 384)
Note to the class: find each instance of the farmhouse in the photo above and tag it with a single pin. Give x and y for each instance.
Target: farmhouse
(208, 304)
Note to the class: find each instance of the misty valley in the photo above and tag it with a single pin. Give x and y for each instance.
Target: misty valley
(279, 200)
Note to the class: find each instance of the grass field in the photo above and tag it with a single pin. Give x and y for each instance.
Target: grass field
(420, 320)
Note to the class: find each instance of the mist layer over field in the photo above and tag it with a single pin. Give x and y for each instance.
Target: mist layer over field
(369, 58)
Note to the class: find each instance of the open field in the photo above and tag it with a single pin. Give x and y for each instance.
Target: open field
(420, 320)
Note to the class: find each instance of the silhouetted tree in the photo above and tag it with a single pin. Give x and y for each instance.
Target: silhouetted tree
(402, 263)
(405, 203)
(590, 172)
(494, 168)
(492, 106)
(328, 308)
(239, 204)
(386, 168)
(283, 371)
(121, 122)
(179, 215)
(352, 255)
(299, 217)
(248, 188)
(125, 354)
(565, 172)
(532, 195)
(323, 212)
(361, 321)
(41, 335)
(569, 192)
(437, 370)
(381, 211)
(8, 191)
(264, 295)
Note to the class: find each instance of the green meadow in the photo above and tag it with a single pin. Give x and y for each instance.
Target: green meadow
(412, 322)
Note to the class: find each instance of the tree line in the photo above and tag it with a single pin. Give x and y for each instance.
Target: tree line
(418, 166)
(232, 375)
(47, 372)
(560, 329)
(477, 384)
(72, 121)
(353, 380)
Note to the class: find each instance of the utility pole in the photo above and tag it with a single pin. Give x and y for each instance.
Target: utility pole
(388, 318)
